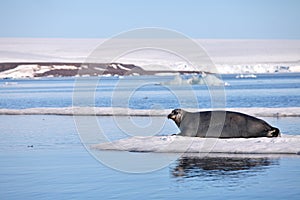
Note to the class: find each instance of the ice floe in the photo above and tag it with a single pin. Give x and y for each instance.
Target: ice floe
(286, 144)
(118, 111)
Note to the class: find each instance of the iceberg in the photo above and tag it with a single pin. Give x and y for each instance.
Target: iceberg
(203, 79)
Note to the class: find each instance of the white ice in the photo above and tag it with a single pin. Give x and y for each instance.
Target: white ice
(204, 79)
(286, 144)
(117, 111)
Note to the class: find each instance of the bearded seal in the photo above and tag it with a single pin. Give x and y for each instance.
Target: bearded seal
(236, 125)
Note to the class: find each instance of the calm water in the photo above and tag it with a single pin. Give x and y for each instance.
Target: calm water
(277, 90)
(42, 156)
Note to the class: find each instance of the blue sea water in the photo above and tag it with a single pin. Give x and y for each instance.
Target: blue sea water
(145, 92)
(42, 157)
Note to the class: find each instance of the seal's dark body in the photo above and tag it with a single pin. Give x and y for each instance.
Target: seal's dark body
(224, 124)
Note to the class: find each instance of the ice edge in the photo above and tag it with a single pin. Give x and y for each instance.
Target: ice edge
(110, 111)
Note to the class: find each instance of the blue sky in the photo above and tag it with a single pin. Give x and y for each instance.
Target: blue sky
(224, 19)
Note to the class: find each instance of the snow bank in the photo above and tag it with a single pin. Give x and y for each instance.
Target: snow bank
(19, 72)
(31, 70)
(287, 144)
(115, 111)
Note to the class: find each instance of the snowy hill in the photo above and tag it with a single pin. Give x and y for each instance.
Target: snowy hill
(30, 70)
(228, 56)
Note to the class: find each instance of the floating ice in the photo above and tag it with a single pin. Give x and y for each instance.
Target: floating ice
(204, 79)
(246, 76)
(117, 111)
(287, 144)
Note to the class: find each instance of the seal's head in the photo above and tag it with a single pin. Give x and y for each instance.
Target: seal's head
(176, 116)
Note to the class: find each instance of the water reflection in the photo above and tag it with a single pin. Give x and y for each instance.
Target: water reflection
(212, 168)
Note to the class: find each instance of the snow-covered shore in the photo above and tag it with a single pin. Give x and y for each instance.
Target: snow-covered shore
(32, 70)
(228, 56)
(110, 111)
